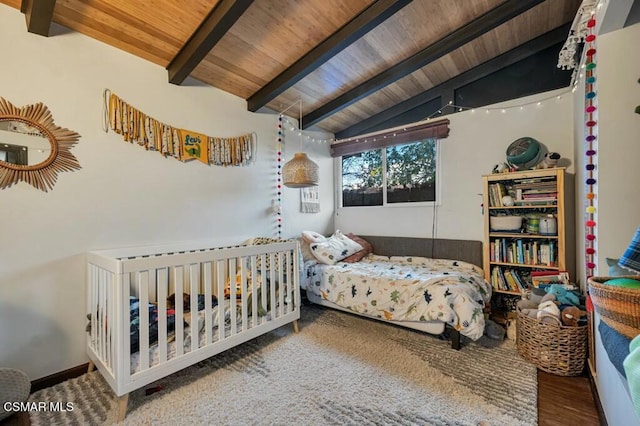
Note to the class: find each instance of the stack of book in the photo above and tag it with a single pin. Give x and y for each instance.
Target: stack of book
(536, 191)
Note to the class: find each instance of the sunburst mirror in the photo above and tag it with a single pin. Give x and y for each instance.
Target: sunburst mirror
(32, 148)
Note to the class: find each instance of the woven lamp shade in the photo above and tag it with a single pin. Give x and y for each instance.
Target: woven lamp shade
(300, 172)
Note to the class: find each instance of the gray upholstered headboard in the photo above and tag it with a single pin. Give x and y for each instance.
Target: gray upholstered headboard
(465, 250)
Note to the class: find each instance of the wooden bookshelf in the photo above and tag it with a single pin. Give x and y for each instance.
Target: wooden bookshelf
(510, 256)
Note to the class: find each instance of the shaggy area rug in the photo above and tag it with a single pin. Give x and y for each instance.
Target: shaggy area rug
(340, 369)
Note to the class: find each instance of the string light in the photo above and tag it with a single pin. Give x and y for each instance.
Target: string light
(288, 125)
(502, 109)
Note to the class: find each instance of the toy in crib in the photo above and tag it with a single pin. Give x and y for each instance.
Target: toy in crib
(261, 309)
(238, 286)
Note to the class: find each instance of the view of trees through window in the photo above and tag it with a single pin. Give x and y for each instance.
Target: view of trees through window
(408, 172)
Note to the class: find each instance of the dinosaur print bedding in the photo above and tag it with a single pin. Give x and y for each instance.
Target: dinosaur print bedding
(405, 288)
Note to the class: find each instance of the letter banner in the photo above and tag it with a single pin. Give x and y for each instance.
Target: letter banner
(195, 146)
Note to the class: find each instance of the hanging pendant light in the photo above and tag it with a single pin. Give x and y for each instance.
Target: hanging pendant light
(300, 171)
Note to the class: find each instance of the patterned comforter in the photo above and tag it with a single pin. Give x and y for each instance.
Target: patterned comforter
(405, 289)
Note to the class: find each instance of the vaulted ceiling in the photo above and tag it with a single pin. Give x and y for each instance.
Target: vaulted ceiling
(355, 64)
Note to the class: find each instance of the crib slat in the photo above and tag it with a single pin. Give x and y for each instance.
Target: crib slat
(231, 277)
(233, 302)
(272, 287)
(285, 287)
(98, 321)
(295, 278)
(243, 292)
(281, 290)
(208, 293)
(103, 320)
(123, 372)
(93, 305)
(108, 282)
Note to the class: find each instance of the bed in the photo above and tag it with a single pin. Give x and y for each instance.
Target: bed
(432, 285)
(156, 310)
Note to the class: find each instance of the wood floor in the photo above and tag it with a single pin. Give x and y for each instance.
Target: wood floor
(566, 401)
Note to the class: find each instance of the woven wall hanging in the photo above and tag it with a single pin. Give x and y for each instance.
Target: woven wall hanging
(184, 145)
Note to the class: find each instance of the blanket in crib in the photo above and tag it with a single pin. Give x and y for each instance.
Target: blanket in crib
(407, 289)
(152, 308)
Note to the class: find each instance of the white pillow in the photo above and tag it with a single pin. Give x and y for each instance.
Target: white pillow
(335, 248)
(305, 250)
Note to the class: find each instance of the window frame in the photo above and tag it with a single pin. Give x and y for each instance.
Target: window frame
(385, 204)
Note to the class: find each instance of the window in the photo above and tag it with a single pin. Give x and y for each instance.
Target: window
(390, 175)
(391, 166)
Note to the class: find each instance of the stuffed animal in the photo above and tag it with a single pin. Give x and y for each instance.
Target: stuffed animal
(550, 160)
(563, 296)
(238, 284)
(571, 315)
(549, 313)
(530, 304)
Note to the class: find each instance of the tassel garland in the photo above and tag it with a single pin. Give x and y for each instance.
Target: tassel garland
(184, 145)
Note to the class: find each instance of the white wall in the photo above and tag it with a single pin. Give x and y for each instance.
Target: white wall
(618, 217)
(476, 142)
(123, 195)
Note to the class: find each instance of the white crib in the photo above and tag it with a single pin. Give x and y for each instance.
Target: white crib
(150, 276)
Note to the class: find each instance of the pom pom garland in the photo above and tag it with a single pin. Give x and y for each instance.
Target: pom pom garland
(278, 200)
(591, 124)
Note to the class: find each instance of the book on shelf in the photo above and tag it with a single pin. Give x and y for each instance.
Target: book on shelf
(496, 192)
(543, 272)
(557, 277)
(508, 280)
(545, 255)
(522, 251)
(511, 281)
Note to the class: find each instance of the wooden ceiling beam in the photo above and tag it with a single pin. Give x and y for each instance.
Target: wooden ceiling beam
(211, 30)
(468, 32)
(39, 15)
(506, 59)
(367, 20)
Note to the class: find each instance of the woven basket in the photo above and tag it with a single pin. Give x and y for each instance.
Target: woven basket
(618, 307)
(555, 349)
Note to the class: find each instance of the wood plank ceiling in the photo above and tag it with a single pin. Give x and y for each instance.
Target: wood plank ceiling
(353, 63)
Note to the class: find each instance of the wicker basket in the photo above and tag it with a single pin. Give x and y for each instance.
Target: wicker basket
(555, 349)
(618, 307)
